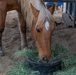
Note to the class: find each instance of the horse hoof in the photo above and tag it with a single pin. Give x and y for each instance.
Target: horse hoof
(26, 48)
(1, 53)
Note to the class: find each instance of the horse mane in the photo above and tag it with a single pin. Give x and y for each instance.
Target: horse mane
(39, 5)
(44, 12)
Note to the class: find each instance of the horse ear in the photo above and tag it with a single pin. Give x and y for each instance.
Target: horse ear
(34, 11)
(52, 8)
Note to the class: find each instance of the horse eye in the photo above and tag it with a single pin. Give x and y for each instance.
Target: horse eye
(38, 30)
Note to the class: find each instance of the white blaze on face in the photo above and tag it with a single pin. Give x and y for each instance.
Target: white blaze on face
(47, 25)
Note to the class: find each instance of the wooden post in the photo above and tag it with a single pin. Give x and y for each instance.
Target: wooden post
(66, 6)
(70, 8)
(75, 16)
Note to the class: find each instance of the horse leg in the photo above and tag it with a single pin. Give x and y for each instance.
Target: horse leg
(2, 25)
(22, 27)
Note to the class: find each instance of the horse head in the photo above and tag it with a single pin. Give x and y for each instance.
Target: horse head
(41, 30)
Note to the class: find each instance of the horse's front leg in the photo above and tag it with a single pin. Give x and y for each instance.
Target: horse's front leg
(1, 50)
(22, 27)
(2, 25)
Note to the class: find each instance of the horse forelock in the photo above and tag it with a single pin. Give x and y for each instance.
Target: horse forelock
(43, 15)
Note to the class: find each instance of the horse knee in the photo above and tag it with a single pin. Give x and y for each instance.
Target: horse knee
(23, 30)
(23, 26)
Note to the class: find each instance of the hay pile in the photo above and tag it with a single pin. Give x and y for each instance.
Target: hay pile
(59, 52)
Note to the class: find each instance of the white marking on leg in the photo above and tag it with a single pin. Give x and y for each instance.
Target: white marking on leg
(47, 25)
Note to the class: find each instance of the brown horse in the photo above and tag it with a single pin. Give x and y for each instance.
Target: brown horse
(36, 17)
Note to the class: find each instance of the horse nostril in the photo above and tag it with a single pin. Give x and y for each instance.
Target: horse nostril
(44, 59)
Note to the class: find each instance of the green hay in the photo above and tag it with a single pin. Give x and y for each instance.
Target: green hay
(29, 54)
(21, 69)
(68, 57)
